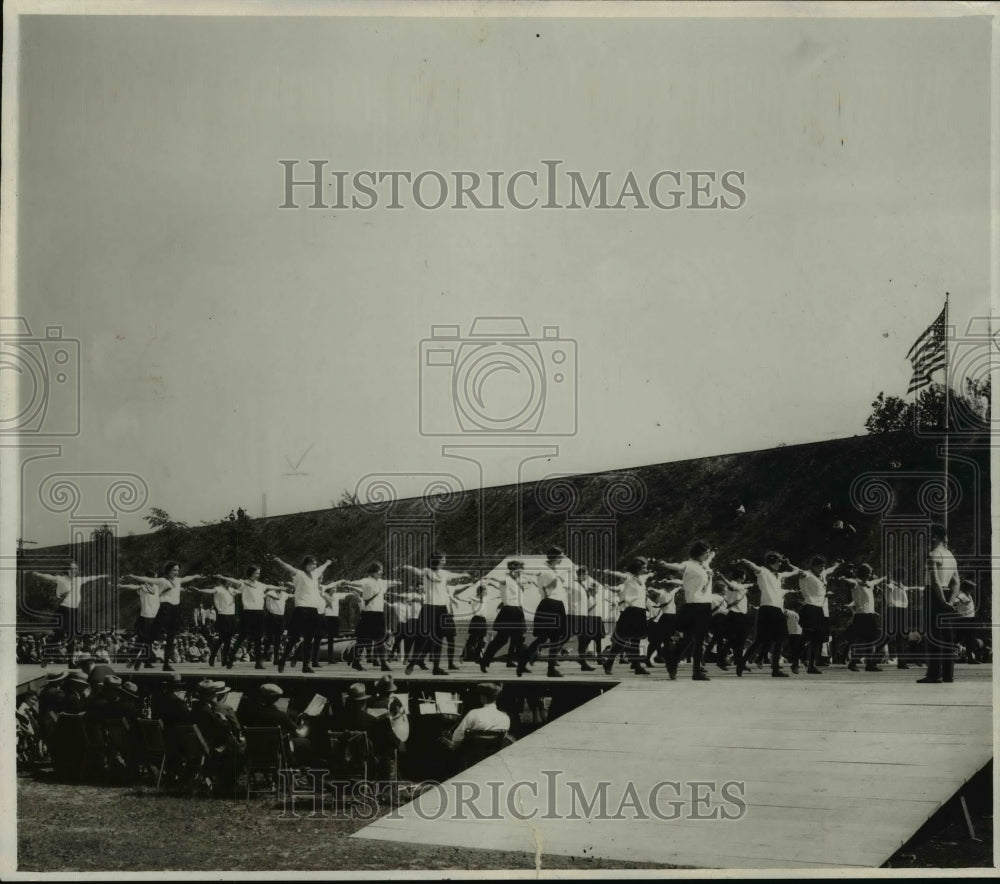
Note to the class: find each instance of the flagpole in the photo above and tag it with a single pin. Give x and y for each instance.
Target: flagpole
(947, 410)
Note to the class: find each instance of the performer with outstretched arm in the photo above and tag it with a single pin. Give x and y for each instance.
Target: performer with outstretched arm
(434, 610)
(251, 625)
(631, 624)
(865, 632)
(550, 625)
(812, 586)
(69, 592)
(371, 627)
(508, 627)
(771, 624)
(167, 617)
(737, 618)
(898, 620)
(696, 615)
(224, 600)
(663, 607)
(309, 602)
(274, 621)
(145, 625)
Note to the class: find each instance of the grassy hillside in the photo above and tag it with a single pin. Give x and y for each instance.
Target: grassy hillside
(792, 497)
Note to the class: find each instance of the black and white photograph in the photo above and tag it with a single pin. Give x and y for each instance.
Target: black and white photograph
(569, 416)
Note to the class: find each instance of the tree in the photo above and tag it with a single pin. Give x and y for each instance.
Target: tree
(890, 414)
(159, 520)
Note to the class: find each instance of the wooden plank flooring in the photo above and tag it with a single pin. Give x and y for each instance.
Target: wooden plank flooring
(838, 770)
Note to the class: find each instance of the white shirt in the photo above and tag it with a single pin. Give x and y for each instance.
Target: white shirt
(307, 592)
(633, 591)
(412, 608)
(172, 596)
(436, 588)
(577, 598)
(736, 597)
(253, 595)
(949, 567)
(898, 595)
(488, 718)
(718, 604)
(274, 602)
(813, 588)
(551, 584)
(225, 600)
(666, 600)
(373, 594)
(697, 583)
(864, 598)
(69, 589)
(149, 601)
(792, 619)
(771, 593)
(333, 603)
(510, 592)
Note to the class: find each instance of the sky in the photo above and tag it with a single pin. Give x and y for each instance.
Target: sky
(226, 343)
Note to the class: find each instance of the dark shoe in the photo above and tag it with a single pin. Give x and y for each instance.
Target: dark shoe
(554, 673)
(700, 676)
(483, 667)
(902, 665)
(409, 669)
(437, 670)
(453, 666)
(167, 667)
(229, 665)
(853, 667)
(281, 667)
(812, 670)
(928, 681)
(723, 667)
(307, 670)
(777, 673)
(421, 665)
(873, 668)
(358, 666)
(608, 666)
(259, 665)
(795, 668)
(511, 664)
(672, 674)
(640, 670)
(147, 666)
(386, 667)
(586, 667)
(211, 662)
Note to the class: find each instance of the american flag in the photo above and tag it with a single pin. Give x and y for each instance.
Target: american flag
(928, 353)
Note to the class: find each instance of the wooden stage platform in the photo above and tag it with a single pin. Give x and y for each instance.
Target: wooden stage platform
(839, 771)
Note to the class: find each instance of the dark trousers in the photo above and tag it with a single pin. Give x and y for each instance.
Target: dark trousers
(694, 621)
(940, 642)
(737, 628)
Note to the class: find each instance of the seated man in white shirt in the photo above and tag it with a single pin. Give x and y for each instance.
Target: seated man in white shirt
(485, 718)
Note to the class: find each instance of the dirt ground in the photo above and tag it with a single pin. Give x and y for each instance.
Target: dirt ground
(100, 828)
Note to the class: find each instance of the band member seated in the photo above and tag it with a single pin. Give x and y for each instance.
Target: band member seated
(486, 718)
(221, 732)
(170, 705)
(382, 692)
(262, 711)
(382, 739)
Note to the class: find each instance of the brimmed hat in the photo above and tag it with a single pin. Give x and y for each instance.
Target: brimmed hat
(207, 688)
(386, 684)
(75, 676)
(86, 658)
(112, 681)
(131, 688)
(554, 552)
(271, 690)
(55, 675)
(356, 693)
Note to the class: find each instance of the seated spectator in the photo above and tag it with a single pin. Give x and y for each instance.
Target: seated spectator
(222, 734)
(260, 711)
(486, 718)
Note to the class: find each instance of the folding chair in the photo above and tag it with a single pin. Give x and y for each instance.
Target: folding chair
(264, 754)
(186, 755)
(478, 745)
(119, 746)
(350, 755)
(94, 755)
(152, 753)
